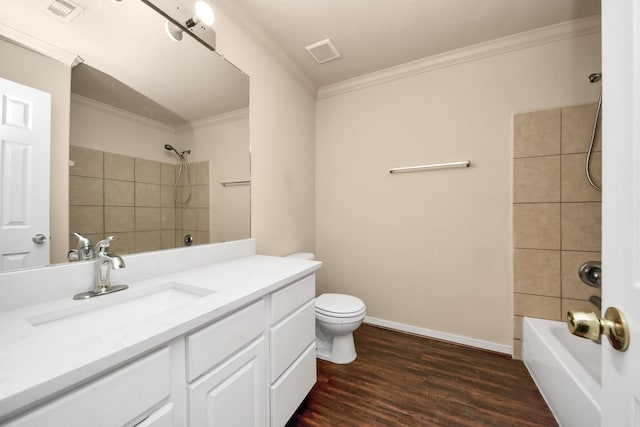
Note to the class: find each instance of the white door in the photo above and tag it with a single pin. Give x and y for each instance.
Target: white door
(25, 134)
(621, 205)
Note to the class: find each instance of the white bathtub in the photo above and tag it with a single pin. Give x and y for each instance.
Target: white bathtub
(566, 369)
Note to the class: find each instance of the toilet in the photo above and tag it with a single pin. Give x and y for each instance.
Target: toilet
(337, 316)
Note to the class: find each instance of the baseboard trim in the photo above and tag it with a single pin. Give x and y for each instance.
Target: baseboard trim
(444, 336)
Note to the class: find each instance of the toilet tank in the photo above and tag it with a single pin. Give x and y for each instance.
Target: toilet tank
(303, 255)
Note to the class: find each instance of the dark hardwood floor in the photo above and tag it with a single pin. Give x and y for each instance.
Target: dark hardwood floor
(405, 380)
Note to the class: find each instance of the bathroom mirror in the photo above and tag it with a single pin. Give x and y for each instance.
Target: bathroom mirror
(133, 94)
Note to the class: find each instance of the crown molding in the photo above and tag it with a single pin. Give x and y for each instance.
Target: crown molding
(258, 35)
(219, 119)
(32, 43)
(540, 36)
(216, 120)
(108, 109)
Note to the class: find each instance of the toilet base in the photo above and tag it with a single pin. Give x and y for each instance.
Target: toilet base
(338, 349)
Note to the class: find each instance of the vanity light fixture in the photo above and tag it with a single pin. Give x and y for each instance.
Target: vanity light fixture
(180, 19)
(204, 14)
(173, 31)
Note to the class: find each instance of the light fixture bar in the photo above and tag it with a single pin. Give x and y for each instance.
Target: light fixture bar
(179, 15)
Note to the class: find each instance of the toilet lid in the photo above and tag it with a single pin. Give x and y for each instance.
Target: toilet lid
(338, 305)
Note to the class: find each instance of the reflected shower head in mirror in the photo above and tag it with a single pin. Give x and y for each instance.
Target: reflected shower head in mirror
(184, 168)
(180, 154)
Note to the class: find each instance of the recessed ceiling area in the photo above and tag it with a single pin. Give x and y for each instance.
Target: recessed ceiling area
(376, 34)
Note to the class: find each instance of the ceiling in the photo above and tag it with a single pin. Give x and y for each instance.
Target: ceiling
(375, 34)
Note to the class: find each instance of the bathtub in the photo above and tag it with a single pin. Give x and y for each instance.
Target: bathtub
(566, 370)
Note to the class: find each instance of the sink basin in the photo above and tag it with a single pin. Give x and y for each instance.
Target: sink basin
(105, 313)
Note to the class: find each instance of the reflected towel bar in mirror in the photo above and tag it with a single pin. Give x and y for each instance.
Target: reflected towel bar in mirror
(234, 183)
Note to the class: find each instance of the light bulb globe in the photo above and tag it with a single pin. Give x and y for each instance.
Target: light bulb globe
(173, 31)
(204, 12)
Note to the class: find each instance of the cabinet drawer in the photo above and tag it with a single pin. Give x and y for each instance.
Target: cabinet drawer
(234, 393)
(289, 391)
(113, 400)
(163, 417)
(290, 337)
(290, 298)
(211, 345)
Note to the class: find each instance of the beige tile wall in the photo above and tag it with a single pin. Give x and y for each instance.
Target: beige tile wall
(133, 200)
(556, 213)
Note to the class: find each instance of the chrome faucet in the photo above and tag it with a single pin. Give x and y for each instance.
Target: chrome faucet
(105, 262)
(83, 252)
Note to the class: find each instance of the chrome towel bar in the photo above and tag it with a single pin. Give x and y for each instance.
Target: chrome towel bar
(464, 164)
(234, 183)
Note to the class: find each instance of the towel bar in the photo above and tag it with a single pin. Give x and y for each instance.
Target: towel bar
(234, 183)
(464, 164)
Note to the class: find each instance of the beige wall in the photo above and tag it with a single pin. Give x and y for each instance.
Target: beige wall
(434, 249)
(282, 145)
(224, 142)
(556, 213)
(102, 127)
(26, 67)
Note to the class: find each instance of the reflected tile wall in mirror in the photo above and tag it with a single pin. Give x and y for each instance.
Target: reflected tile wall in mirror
(133, 200)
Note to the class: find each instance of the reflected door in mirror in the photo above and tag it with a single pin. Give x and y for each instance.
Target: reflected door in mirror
(25, 125)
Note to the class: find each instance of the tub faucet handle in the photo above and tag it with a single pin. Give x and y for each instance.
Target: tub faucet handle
(591, 273)
(589, 325)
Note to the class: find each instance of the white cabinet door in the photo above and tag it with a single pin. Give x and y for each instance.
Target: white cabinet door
(233, 394)
(25, 138)
(291, 388)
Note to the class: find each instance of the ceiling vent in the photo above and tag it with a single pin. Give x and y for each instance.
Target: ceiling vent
(323, 51)
(62, 9)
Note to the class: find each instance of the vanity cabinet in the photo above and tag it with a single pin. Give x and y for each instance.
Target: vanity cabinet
(252, 367)
(226, 363)
(122, 397)
(163, 417)
(292, 358)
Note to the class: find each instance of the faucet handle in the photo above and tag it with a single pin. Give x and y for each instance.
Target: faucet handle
(84, 249)
(104, 244)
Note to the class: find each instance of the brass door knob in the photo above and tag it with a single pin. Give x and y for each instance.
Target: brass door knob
(589, 325)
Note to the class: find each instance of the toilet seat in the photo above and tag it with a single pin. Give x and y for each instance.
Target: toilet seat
(339, 305)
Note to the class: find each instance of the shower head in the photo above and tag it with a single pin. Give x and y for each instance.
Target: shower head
(595, 77)
(170, 147)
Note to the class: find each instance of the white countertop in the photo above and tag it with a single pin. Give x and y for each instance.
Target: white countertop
(35, 364)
